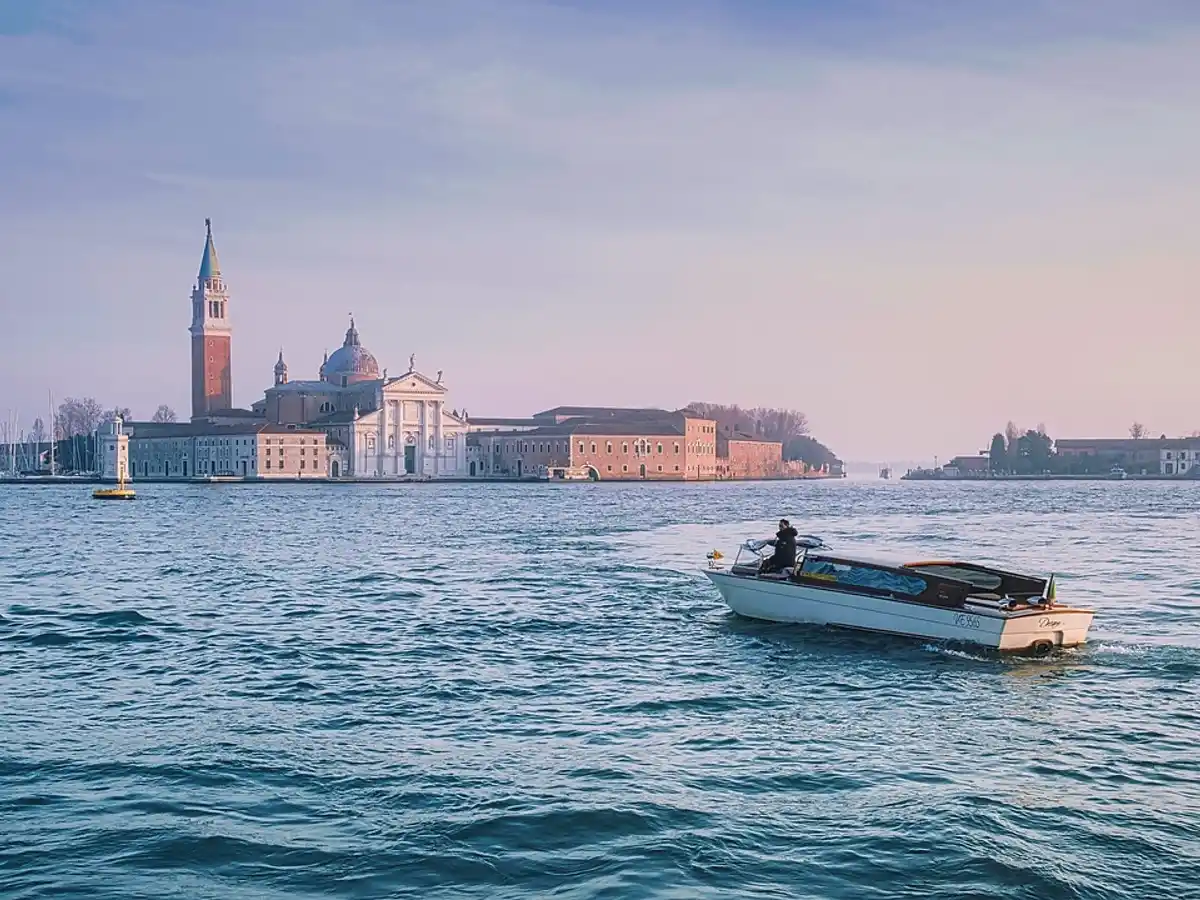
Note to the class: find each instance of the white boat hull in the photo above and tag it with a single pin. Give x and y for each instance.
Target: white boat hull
(980, 624)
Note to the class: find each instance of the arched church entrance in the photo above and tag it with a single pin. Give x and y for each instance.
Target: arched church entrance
(335, 469)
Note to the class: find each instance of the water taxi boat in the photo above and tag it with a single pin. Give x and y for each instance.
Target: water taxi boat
(938, 600)
(120, 492)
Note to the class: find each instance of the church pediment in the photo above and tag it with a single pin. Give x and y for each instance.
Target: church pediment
(414, 383)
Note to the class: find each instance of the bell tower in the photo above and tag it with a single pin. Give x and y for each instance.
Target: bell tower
(212, 387)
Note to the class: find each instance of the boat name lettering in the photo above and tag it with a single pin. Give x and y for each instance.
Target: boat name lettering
(1049, 623)
(962, 620)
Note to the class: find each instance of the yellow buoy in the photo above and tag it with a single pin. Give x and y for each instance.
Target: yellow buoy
(120, 492)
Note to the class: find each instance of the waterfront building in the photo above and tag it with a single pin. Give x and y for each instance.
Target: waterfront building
(381, 426)
(742, 455)
(1137, 456)
(374, 425)
(186, 450)
(603, 443)
(978, 466)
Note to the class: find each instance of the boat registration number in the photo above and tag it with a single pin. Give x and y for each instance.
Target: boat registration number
(964, 620)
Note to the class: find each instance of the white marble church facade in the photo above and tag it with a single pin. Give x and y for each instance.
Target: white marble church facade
(377, 426)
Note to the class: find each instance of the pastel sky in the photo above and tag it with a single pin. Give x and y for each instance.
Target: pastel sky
(913, 220)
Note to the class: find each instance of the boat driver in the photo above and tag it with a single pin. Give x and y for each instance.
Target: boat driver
(784, 542)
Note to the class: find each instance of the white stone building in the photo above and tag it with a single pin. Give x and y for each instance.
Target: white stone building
(377, 426)
(1179, 457)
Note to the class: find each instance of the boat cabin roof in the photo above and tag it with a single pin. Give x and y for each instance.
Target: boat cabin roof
(974, 576)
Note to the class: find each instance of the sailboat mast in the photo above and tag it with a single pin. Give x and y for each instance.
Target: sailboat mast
(53, 430)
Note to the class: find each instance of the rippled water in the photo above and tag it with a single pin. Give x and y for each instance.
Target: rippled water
(507, 691)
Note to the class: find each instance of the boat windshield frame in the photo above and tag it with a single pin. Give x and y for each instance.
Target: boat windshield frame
(999, 582)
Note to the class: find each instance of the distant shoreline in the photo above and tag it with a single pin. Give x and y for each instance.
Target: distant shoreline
(60, 480)
(990, 478)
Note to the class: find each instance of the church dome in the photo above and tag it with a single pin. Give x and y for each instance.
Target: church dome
(351, 361)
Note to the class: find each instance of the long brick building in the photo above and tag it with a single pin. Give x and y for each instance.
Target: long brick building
(603, 442)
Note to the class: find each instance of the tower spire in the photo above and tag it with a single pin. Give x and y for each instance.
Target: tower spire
(281, 373)
(209, 266)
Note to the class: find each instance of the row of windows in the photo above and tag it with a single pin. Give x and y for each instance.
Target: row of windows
(451, 445)
(641, 447)
(303, 463)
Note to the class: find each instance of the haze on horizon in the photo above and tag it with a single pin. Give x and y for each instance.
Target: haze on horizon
(914, 221)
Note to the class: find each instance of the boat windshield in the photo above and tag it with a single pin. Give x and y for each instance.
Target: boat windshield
(987, 581)
(863, 576)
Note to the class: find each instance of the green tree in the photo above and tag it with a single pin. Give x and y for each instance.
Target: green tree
(1036, 451)
(998, 454)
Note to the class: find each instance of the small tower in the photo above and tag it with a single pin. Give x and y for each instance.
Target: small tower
(212, 334)
(324, 363)
(113, 444)
(280, 370)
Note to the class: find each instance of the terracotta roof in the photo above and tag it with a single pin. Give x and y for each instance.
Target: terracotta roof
(1119, 445)
(231, 413)
(599, 412)
(137, 430)
(648, 429)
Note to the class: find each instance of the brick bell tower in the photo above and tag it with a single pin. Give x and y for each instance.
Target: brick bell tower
(212, 386)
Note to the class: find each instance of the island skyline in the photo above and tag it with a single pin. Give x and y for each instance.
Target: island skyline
(909, 233)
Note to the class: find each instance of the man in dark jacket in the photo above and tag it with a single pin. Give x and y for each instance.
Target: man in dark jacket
(784, 543)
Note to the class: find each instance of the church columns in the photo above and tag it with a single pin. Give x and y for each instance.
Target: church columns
(438, 444)
(381, 439)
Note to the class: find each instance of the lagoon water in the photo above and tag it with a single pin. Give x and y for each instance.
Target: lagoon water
(503, 691)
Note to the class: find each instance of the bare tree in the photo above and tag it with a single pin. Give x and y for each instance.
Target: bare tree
(37, 433)
(77, 416)
(125, 413)
(164, 414)
(1011, 435)
(765, 422)
(1137, 431)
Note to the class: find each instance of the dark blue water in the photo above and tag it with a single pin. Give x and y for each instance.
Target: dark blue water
(517, 691)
